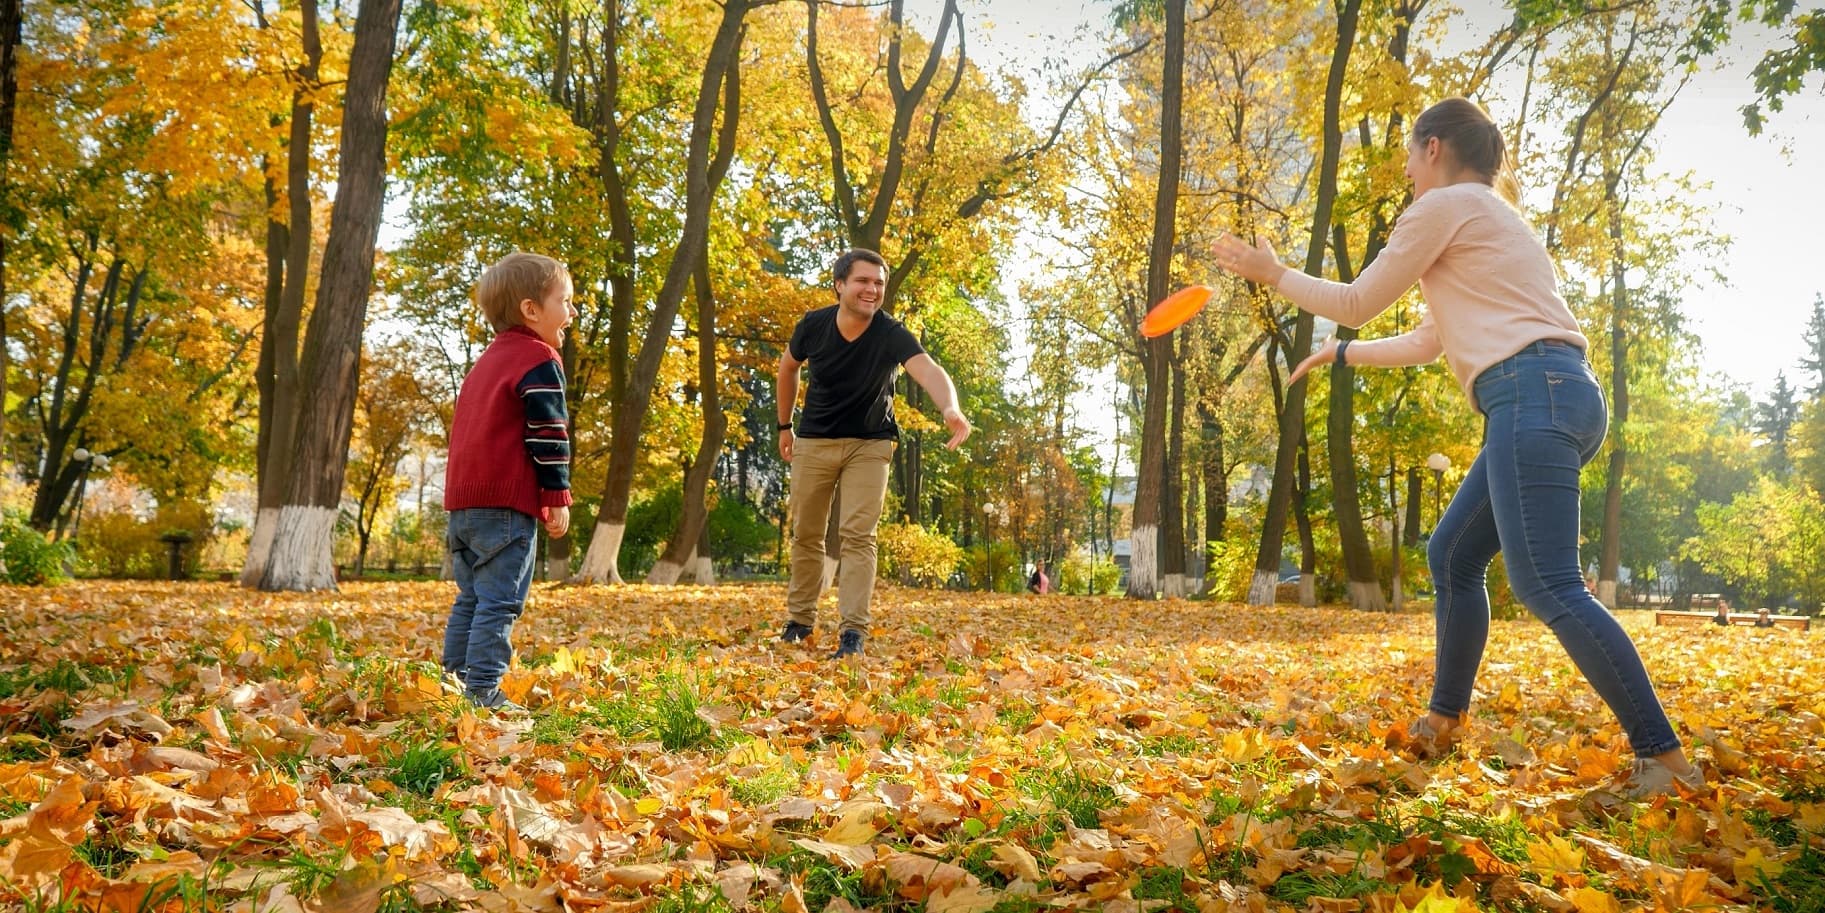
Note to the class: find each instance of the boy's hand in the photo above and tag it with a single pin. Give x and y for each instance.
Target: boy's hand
(557, 521)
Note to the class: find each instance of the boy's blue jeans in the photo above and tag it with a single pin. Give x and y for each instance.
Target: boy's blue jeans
(491, 550)
(1545, 418)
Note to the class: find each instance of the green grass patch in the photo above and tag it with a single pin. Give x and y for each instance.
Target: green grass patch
(422, 768)
(770, 785)
(692, 898)
(1298, 887)
(1175, 744)
(675, 718)
(1165, 885)
(1070, 792)
(1800, 887)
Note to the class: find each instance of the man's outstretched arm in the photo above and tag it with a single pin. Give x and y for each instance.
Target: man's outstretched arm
(937, 384)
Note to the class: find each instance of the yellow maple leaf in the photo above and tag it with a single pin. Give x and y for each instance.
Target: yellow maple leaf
(1554, 856)
(1591, 900)
(1753, 866)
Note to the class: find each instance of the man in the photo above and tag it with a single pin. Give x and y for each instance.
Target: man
(845, 437)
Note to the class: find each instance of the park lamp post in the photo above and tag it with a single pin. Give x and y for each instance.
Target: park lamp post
(89, 460)
(1438, 463)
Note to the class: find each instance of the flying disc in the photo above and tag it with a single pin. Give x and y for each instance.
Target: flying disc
(1178, 307)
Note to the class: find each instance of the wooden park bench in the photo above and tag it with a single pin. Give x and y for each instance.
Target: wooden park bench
(1668, 617)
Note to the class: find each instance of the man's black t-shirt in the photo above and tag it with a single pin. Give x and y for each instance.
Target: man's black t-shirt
(850, 384)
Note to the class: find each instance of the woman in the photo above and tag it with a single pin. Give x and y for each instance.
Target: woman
(1495, 313)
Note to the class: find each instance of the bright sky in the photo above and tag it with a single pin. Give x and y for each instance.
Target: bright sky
(1769, 191)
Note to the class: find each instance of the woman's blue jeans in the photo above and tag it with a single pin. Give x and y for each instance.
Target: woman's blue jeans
(1544, 419)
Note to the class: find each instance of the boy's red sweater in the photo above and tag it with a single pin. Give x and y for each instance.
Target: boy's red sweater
(509, 440)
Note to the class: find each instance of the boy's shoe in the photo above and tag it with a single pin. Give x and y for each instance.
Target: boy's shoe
(497, 702)
(849, 645)
(1424, 740)
(1650, 778)
(795, 632)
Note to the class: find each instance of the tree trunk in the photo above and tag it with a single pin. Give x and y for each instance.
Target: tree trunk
(1216, 487)
(689, 537)
(601, 564)
(1172, 488)
(288, 249)
(12, 21)
(1292, 415)
(1346, 496)
(302, 555)
(1302, 520)
(1416, 487)
(62, 424)
(1610, 564)
(1156, 355)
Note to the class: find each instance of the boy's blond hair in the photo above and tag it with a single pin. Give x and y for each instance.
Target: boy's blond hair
(515, 278)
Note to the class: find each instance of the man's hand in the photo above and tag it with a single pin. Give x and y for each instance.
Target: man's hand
(959, 427)
(785, 444)
(557, 521)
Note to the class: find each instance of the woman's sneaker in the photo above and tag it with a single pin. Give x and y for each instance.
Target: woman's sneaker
(1650, 778)
(1425, 741)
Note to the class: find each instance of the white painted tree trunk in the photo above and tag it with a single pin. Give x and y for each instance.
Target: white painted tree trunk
(1262, 589)
(1175, 586)
(259, 546)
(1365, 596)
(703, 570)
(830, 564)
(1606, 594)
(1144, 563)
(446, 569)
(602, 563)
(1308, 591)
(303, 556)
(664, 573)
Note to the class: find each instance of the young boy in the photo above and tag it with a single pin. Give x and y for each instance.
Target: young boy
(509, 465)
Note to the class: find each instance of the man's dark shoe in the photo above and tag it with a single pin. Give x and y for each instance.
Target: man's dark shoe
(849, 645)
(795, 632)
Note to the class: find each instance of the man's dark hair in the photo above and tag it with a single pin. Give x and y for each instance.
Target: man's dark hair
(850, 258)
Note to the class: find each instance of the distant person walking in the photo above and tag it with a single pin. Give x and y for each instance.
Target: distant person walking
(845, 437)
(1039, 583)
(1494, 311)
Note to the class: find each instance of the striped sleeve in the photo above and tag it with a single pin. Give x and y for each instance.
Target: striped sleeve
(547, 431)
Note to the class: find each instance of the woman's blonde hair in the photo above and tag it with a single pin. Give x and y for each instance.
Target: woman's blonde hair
(515, 278)
(1475, 141)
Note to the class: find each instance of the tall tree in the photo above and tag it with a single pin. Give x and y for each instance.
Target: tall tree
(302, 556)
(601, 564)
(12, 21)
(689, 536)
(1774, 421)
(1814, 359)
(1156, 355)
(1261, 590)
(288, 249)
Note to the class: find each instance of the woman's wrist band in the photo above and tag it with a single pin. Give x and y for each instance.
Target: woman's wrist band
(1341, 347)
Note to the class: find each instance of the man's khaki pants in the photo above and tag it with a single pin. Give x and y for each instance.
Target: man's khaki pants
(856, 468)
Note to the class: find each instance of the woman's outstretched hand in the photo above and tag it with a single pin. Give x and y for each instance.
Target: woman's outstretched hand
(1258, 264)
(1326, 354)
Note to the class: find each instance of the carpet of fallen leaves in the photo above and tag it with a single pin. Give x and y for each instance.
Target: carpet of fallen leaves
(203, 747)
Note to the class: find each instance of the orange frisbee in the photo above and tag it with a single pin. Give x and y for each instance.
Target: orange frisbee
(1178, 307)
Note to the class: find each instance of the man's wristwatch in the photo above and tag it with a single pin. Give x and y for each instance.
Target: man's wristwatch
(785, 426)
